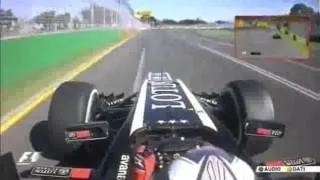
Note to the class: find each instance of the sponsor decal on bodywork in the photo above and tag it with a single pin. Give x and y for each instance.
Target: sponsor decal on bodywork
(123, 167)
(166, 103)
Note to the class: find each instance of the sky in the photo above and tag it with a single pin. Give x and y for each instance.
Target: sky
(209, 10)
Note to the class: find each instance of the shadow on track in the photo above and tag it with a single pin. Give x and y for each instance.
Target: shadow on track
(39, 139)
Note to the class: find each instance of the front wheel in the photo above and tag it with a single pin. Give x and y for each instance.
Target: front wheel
(247, 100)
(72, 103)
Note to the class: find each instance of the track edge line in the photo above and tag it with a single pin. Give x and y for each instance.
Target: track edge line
(13, 117)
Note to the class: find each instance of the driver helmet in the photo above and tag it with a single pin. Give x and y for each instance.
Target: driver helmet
(206, 163)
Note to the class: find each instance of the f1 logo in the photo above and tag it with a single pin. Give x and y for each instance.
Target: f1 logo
(28, 158)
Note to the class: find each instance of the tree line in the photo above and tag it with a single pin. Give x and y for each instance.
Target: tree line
(302, 9)
(183, 22)
(296, 9)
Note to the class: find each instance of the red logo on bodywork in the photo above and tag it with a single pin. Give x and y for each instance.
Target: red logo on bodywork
(83, 134)
(145, 163)
(263, 131)
(275, 163)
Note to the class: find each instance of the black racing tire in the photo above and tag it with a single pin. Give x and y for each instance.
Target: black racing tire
(247, 100)
(73, 102)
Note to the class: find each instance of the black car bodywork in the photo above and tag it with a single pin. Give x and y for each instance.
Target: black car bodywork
(165, 116)
(276, 36)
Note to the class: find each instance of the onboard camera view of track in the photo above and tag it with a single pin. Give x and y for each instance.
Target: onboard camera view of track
(204, 64)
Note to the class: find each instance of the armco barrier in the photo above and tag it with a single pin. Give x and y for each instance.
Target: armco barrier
(23, 57)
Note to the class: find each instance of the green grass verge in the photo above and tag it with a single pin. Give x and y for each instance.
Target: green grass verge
(223, 34)
(31, 86)
(27, 57)
(31, 64)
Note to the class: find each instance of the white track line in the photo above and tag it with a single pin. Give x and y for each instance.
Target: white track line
(297, 87)
(137, 81)
(303, 65)
(287, 60)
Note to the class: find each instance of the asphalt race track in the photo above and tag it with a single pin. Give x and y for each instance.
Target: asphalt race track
(260, 40)
(204, 65)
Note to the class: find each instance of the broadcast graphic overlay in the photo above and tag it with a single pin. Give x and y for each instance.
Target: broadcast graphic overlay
(298, 165)
(272, 37)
